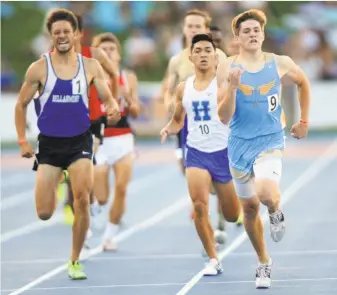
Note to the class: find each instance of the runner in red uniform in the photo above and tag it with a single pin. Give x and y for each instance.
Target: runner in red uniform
(117, 150)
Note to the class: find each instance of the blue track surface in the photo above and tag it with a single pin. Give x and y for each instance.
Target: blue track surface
(159, 252)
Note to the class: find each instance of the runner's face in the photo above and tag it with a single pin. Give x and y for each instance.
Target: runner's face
(63, 36)
(111, 50)
(203, 56)
(250, 36)
(193, 25)
(217, 38)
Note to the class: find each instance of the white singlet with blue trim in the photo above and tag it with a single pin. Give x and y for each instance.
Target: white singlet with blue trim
(206, 132)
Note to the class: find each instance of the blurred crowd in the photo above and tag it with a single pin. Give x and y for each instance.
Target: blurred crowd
(150, 32)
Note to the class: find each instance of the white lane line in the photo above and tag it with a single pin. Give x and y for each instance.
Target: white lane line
(150, 222)
(171, 256)
(314, 169)
(135, 187)
(28, 196)
(174, 284)
(31, 227)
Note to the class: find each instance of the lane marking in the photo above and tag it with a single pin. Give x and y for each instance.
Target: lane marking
(308, 175)
(172, 256)
(135, 187)
(173, 284)
(147, 223)
(28, 196)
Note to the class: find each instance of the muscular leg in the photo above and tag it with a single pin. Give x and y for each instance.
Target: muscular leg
(47, 180)
(198, 185)
(228, 200)
(268, 193)
(252, 219)
(254, 227)
(81, 176)
(123, 173)
(101, 183)
(267, 175)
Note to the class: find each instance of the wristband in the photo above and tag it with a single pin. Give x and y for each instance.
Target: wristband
(304, 122)
(22, 141)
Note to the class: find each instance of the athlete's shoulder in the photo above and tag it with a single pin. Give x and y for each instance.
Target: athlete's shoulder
(281, 59)
(89, 60)
(37, 69)
(225, 63)
(174, 60)
(221, 54)
(91, 65)
(284, 63)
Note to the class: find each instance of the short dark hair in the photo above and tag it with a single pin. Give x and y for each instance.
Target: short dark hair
(79, 22)
(215, 28)
(202, 37)
(61, 14)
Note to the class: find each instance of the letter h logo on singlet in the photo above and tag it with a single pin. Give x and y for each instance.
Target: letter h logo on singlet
(201, 110)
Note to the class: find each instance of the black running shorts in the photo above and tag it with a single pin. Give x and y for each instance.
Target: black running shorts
(63, 151)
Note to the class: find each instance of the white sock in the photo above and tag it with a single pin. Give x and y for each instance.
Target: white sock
(95, 208)
(110, 231)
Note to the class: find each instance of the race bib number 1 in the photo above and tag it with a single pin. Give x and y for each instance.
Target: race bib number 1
(77, 87)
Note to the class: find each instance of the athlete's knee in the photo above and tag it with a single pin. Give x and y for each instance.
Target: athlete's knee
(251, 208)
(268, 192)
(102, 201)
(120, 189)
(233, 217)
(82, 200)
(45, 205)
(200, 208)
(44, 215)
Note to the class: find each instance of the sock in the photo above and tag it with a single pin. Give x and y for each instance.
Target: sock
(95, 208)
(110, 230)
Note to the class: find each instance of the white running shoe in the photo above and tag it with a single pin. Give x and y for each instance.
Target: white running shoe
(109, 245)
(262, 276)
(213, 268)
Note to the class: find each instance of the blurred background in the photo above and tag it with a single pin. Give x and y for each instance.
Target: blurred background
(150, 33)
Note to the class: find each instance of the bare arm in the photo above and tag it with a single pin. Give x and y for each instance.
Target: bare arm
(221, 55)
(26, 95)
(101, 84)
(288, 69)
(226, 93)
(172, 82)
(163, 89)
(132, 95)
(107, 65)
(177, 121)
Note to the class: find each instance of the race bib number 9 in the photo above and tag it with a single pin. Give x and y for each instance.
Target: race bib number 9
(273, 102)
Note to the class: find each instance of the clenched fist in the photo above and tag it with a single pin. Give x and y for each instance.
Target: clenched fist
(299, 130)
(234, 77)
(113, 115)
